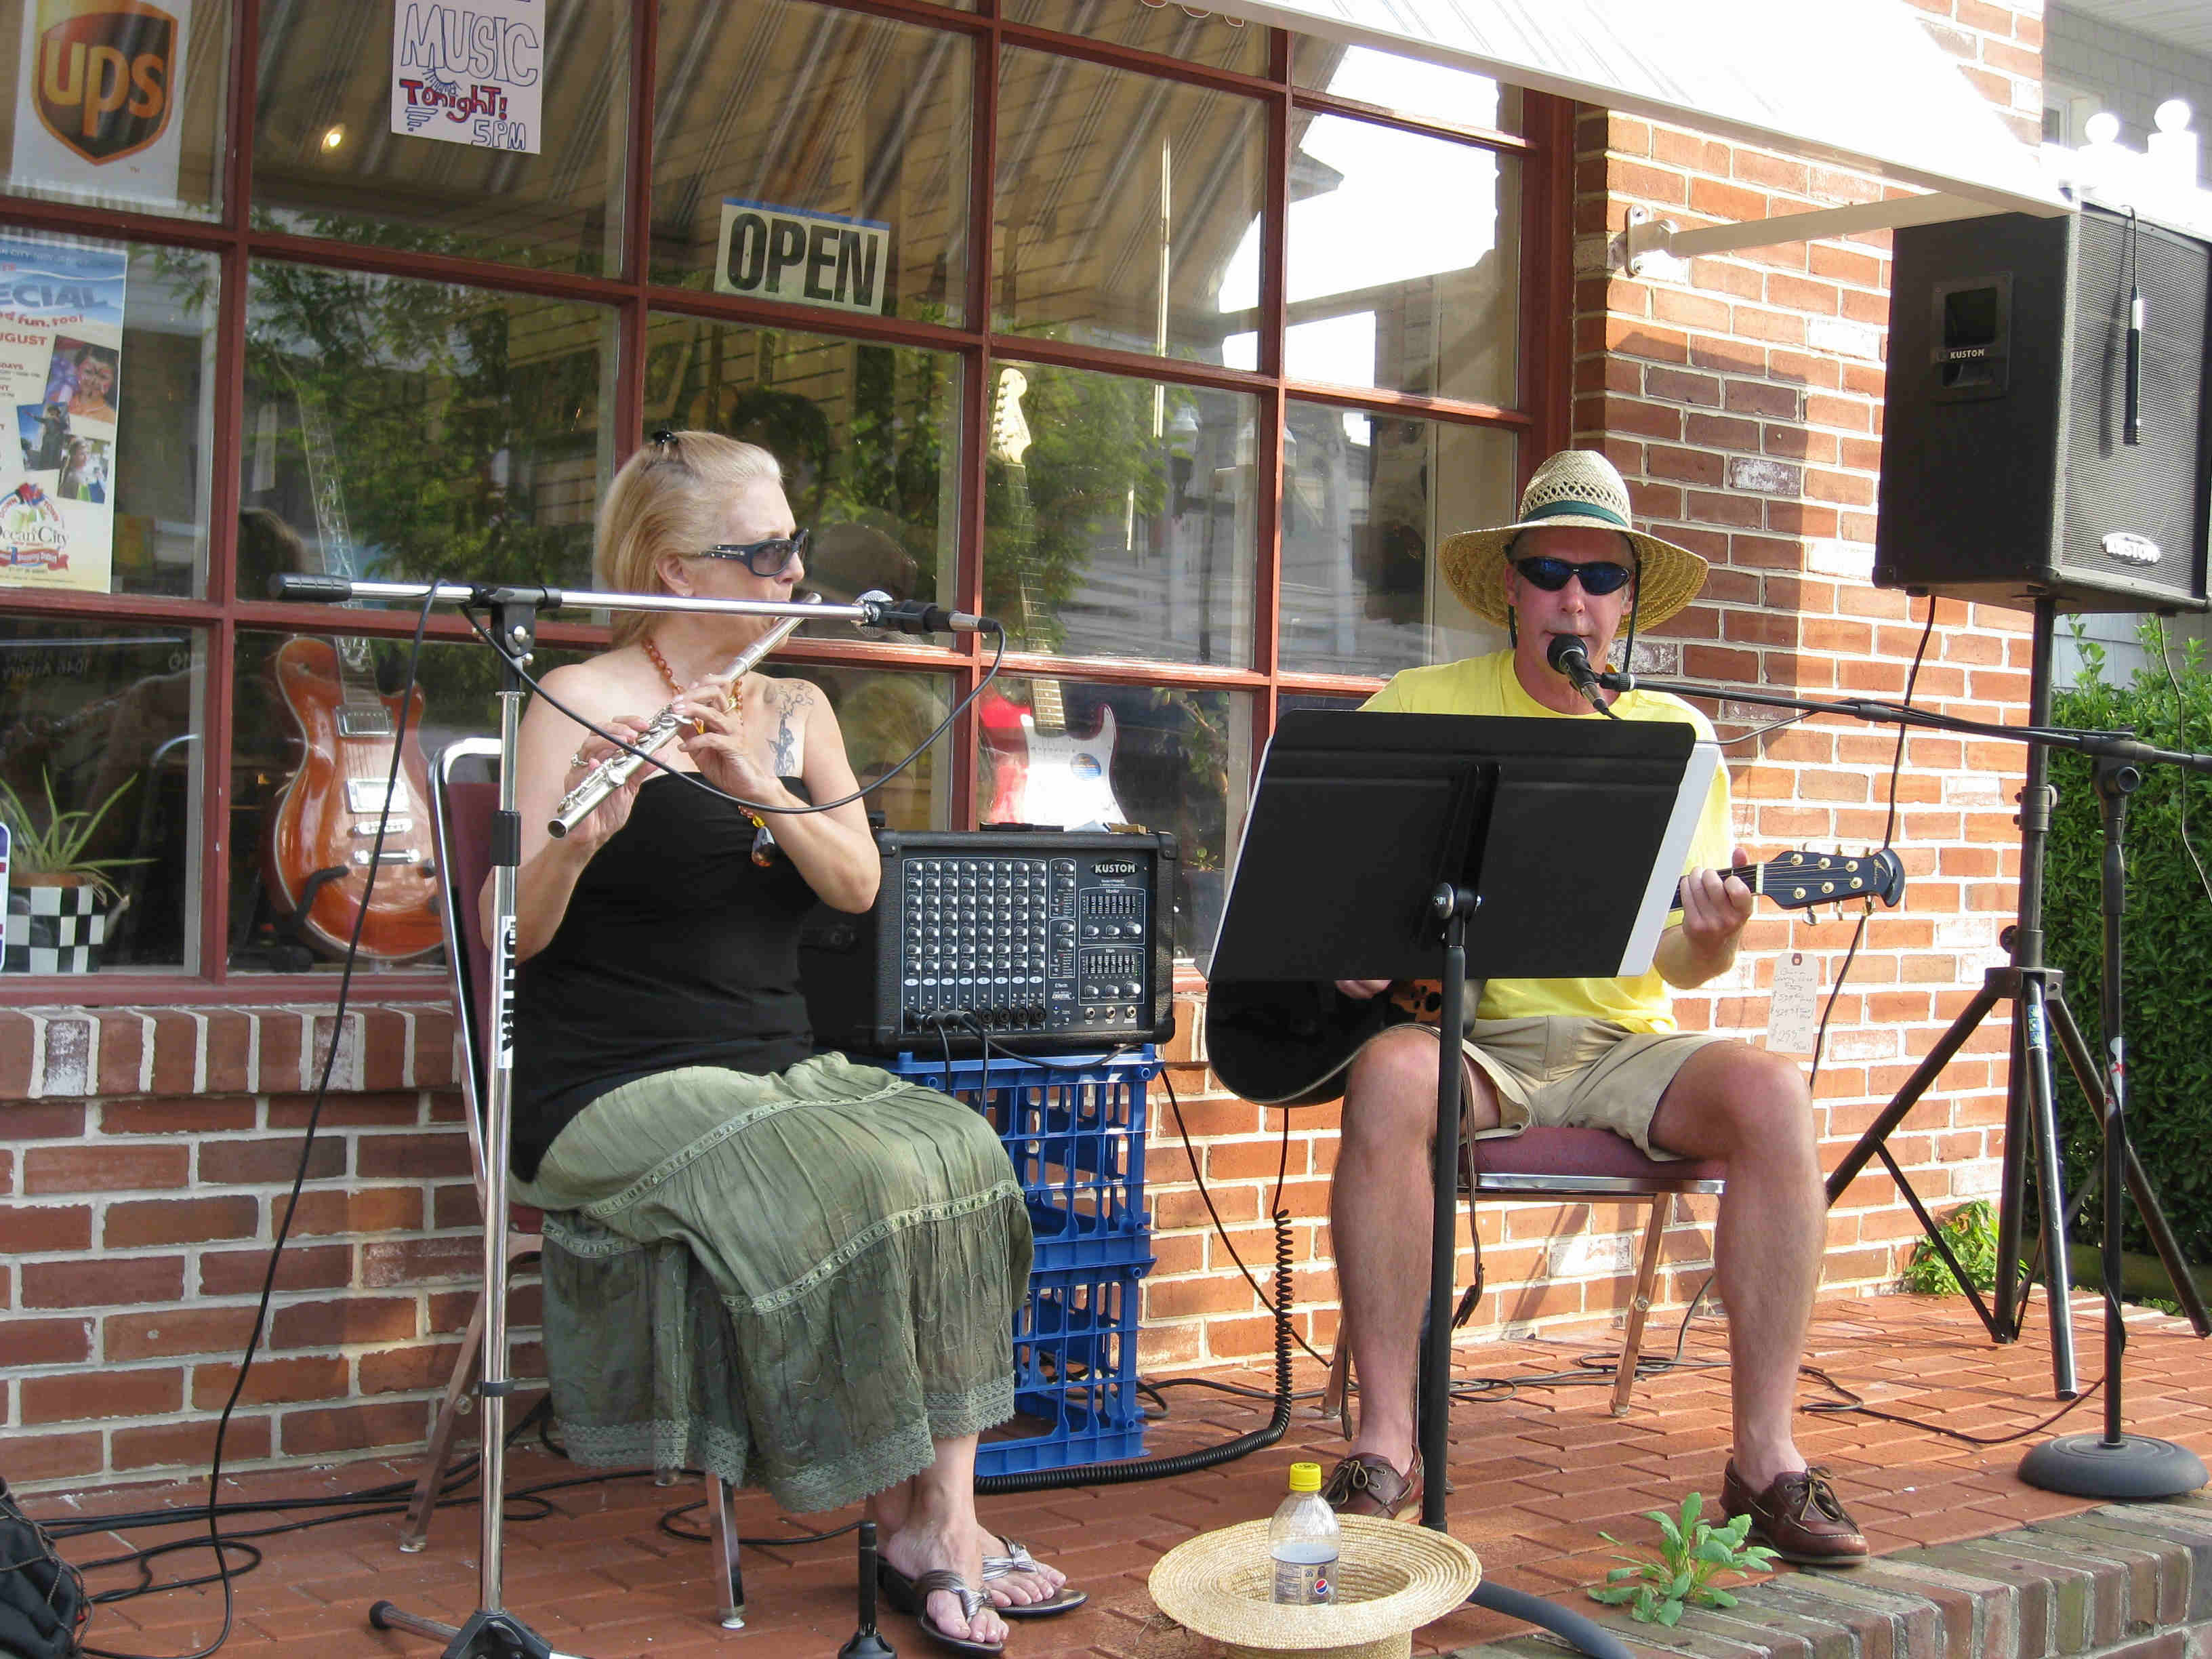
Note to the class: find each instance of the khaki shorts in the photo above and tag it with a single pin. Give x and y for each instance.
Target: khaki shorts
(1561, 1072)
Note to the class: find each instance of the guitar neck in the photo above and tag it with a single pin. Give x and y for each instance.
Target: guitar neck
(1046, 706)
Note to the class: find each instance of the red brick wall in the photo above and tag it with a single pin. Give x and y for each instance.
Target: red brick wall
(139, 1195)
(144, 1154)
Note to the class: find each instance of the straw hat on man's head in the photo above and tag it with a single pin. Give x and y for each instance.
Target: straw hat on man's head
(1576, 487)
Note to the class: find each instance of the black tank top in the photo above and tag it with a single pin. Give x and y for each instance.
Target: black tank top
(676, 950)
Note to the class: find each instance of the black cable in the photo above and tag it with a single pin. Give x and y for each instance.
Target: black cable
(1198, 1175)
(699, 783)
(669, 1518)
(1853, 1404)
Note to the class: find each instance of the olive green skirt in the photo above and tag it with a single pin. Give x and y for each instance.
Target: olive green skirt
(795, 1281)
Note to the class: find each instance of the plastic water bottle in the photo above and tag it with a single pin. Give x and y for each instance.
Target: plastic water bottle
(1303, 1538)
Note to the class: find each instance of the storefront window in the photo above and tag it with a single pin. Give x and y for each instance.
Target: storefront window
(467, 296)
(491, 146)
(1458, 98)
(1383, 291)
(884, 716)
(1075, 753)
(813, 157)
(1119, 516)
(399, 428)
(116, 107)
(1367, 499)
(1122, 201)
(1172, 30)
(866, 434)
(101, 770)
(305, 785)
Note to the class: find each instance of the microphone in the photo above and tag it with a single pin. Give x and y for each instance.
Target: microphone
(1566, 655)
(918, 615)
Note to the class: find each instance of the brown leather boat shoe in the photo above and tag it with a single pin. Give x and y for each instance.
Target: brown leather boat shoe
(1367, 1485)
(1799, 1517)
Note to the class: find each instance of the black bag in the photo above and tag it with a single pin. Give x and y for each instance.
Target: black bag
(42, 1605)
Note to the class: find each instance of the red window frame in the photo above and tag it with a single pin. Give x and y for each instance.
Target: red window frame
(1546, 147)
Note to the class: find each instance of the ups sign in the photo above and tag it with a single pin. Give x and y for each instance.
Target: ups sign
(103, 74)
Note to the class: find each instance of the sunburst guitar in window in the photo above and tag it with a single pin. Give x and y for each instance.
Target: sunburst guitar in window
(1041, 773)
(323, 831)
(1288, 1042)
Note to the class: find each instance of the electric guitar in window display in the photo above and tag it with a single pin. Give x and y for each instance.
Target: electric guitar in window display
(322, 831)
(1288, 1042)
(1041, 773)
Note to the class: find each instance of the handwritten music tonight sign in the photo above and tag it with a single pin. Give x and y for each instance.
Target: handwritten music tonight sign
(469, 74)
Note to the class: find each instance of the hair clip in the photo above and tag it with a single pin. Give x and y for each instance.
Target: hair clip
(661, 437)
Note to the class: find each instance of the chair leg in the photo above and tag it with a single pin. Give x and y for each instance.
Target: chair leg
(1647, 1277)
(415, 1530)
(729, 1581)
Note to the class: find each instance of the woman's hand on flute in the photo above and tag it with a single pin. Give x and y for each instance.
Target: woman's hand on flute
(596, 828)
(711, 730)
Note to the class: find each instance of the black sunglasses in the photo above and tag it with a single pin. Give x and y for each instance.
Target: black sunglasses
(768, 558)
(1552, 575)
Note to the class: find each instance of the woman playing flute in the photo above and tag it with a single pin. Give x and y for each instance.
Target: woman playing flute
(783, 1266)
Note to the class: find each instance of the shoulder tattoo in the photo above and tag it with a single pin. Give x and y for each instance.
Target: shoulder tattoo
(788, 700)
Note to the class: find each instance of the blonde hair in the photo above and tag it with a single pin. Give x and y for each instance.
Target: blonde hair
(669, 497)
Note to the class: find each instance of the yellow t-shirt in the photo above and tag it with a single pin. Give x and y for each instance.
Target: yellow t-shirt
(1487, 685)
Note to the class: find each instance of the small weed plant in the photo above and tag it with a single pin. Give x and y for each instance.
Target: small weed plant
(1970, 1230)
(1692, 1551)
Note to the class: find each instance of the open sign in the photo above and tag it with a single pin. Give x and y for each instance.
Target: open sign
(826, 260)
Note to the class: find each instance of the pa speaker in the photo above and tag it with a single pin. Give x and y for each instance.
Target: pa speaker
(2008, 474)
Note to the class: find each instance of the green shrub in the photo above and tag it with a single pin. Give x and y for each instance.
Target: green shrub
(2167, 935)
(1971, 1233)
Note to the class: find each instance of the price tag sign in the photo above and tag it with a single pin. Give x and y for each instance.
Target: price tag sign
(1793, 1015)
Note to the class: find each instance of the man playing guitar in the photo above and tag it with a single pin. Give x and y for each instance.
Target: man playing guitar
(1604, 1053)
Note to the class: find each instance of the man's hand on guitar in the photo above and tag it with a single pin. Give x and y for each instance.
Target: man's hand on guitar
(1360, 990)
(1703, 944)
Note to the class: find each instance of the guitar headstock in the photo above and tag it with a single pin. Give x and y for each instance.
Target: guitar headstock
(1800, 880)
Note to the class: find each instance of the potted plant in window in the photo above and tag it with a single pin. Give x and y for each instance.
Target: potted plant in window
(59, 901)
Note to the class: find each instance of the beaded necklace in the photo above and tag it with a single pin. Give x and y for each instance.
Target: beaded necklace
(764, 848)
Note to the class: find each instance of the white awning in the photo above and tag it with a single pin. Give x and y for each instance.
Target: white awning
(1859, 83)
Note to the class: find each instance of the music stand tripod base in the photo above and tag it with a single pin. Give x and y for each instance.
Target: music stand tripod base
(2136, 1467)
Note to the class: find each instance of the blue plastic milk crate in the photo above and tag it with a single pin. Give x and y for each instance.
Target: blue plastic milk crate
(1074, 1130)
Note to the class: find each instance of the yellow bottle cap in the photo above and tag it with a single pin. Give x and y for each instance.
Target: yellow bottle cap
(1305, 1477)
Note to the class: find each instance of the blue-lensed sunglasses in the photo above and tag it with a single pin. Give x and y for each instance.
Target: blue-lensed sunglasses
(1551, 575)
(768, 558)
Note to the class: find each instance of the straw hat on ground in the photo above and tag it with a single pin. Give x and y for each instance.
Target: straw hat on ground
(1391, 1579)
(1576, 487)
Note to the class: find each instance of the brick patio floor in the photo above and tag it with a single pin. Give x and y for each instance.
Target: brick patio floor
(1536, 1474)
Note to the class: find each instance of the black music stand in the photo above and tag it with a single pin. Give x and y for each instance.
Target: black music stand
(1384, 845)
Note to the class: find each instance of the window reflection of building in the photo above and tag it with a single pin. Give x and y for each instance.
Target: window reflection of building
(463, 415)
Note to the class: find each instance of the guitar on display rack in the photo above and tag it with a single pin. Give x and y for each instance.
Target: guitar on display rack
(1286, 1042)
(323, 827)
(1042, 772)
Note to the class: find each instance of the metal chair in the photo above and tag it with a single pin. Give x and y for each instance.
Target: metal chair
(1560, 1165)
(463, 809)
(1592, 1166)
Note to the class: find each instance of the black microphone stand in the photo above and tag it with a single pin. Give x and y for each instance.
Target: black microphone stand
(491, 1631)
(2115, 1464)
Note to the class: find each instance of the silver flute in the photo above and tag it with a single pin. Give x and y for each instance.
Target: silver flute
(617, 768)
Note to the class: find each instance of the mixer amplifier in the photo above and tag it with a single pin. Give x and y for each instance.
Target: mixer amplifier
(1046, 941)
